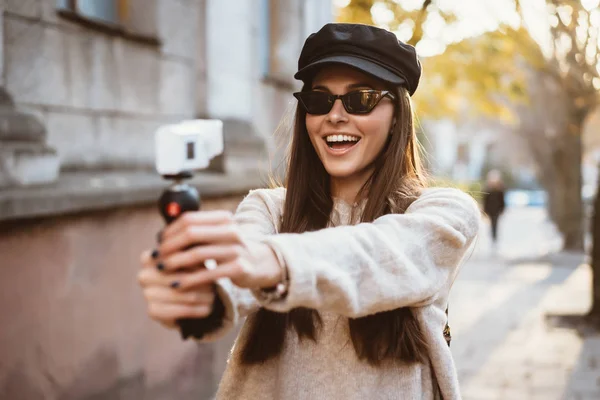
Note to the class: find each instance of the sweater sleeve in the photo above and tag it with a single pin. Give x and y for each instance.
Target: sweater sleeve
(257, 217)
(395, 261)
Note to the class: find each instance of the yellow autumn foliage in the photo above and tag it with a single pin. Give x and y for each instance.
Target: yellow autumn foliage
(483, 75)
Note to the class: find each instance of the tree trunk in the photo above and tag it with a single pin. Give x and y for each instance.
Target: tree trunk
(595, 310)
(566, 205)
(552, 128)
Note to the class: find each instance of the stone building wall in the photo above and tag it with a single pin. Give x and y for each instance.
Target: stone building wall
(100, 95)
(75, 323)
(79, 103)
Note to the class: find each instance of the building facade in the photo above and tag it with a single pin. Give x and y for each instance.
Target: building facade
(83, 86)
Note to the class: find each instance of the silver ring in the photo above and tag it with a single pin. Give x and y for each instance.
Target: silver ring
(210, 264)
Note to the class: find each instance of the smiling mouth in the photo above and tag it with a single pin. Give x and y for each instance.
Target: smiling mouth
(341, 142)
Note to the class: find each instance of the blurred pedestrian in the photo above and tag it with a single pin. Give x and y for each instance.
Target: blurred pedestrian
(493, 201)
(343, 274)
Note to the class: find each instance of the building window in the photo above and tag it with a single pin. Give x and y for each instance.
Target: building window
(112, 12)
(136, 19)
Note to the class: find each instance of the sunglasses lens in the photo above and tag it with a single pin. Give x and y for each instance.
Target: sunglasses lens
(361, 102)
(358, 102)
(316, 102)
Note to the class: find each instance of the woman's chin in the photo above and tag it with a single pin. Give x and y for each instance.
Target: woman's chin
(348, 171)
(341, 172)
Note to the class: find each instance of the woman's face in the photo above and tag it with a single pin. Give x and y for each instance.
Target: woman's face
(348, 159)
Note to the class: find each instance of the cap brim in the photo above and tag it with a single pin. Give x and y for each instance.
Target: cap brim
(361, 64)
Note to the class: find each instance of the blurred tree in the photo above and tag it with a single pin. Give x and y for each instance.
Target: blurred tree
(468, 76)
(566, 91)
(556, 152)
(571, 77)
(499, 74)
(594, 314)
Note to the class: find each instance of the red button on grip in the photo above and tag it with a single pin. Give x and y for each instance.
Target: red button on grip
(173, 209)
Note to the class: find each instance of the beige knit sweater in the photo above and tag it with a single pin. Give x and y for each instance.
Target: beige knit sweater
(353, 270)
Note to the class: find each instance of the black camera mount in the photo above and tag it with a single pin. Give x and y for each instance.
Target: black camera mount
(178, 198)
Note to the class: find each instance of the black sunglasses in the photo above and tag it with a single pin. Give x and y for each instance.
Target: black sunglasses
(356, 102)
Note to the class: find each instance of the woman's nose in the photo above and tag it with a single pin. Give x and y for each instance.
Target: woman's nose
(337, 113)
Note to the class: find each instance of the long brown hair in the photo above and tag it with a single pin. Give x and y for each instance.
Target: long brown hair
(396, 182)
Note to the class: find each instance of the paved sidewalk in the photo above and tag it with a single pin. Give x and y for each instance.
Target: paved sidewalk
(503, 347)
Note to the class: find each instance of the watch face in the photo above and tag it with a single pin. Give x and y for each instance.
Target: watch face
(274, 293)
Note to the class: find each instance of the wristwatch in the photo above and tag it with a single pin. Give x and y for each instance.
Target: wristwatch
(279, 291)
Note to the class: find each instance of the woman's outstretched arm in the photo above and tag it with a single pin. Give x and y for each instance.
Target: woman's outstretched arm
(256, 217)
(396, 261)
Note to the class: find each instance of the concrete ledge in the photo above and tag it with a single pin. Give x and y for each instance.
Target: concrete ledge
(85, 191)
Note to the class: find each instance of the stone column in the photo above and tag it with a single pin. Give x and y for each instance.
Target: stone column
(231, 81)
(25, 158)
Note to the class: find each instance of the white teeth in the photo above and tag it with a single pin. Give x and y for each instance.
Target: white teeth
(341, 138)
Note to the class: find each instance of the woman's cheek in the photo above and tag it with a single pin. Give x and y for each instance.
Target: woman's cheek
(312, 126)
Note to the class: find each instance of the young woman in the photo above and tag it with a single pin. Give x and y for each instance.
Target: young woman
(344, 273)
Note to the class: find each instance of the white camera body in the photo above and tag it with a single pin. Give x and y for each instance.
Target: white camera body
(188, 145)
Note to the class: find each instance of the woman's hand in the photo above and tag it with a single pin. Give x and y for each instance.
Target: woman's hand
(199, 236)
(166, 304)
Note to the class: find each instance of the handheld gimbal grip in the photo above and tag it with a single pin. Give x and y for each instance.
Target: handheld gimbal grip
(173, 202)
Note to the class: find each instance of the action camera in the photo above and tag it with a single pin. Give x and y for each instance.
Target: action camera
(187, 146)
(181, 149)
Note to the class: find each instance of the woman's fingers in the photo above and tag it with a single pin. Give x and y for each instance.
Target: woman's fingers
(195, 235)
(202, 277)
(168, 313)
(197, 218)
(177, 293)
(197, 255)
(146, 258)
(198, 296)
(152, 277)
(168, 304)
(187, 280)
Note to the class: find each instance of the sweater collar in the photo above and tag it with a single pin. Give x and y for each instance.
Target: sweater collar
(344, 213)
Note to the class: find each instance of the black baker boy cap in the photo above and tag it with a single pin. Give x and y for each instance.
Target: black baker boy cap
(374, 51)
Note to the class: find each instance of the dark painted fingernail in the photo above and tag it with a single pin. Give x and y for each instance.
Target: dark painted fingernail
(159, 236)
(175, 284)
(155, 254)
(160, 266)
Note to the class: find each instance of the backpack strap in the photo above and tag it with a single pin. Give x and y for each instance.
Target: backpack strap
(437, 395)
(447, 334)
